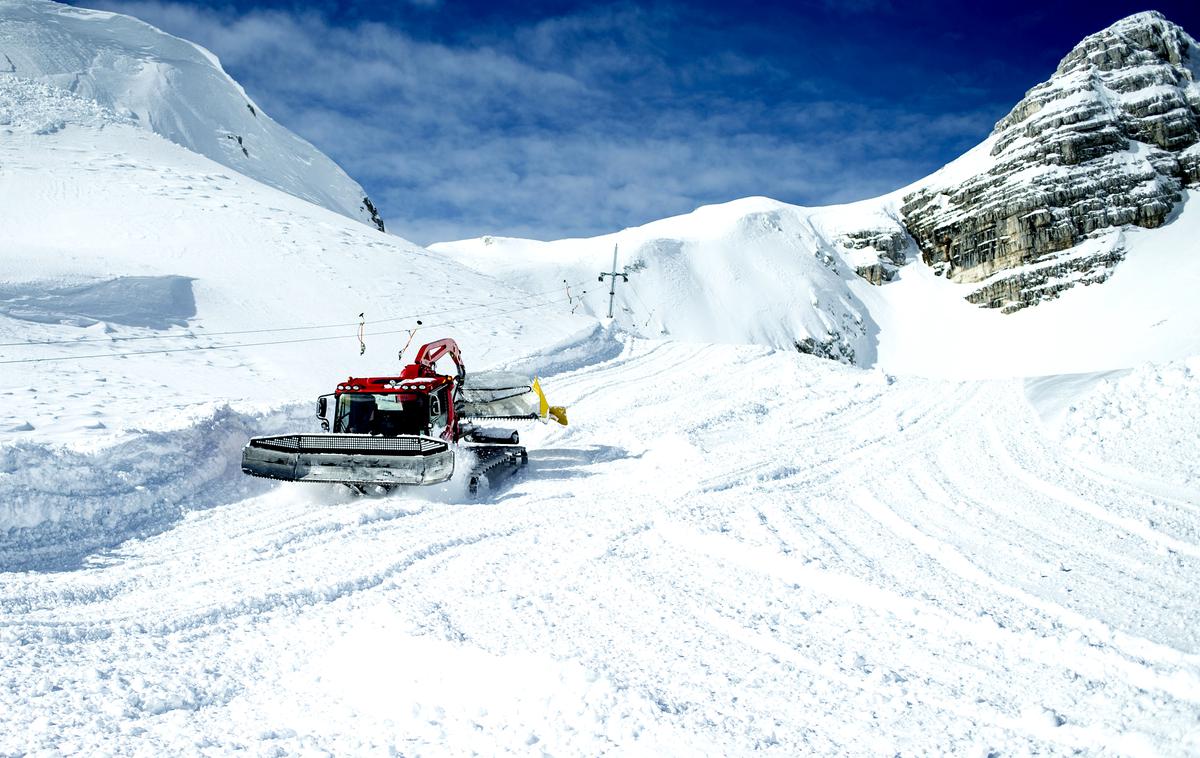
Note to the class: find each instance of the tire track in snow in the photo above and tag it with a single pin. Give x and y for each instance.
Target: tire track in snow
(862, 680)
(1080, 504)
(1178, 683)
(1038, 536)
(847, 601)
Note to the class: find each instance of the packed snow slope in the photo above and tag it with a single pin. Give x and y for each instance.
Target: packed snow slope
(732, 549)
(171, 87)
(760, 271)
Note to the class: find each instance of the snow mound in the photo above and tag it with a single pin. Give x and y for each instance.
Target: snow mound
(164, 84)
(58, 505)
(38, 108)
(749, 271)
(1145, 420)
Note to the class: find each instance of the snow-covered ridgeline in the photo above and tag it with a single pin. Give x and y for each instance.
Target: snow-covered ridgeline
(753, 270)
(760, 271)
(172, 87)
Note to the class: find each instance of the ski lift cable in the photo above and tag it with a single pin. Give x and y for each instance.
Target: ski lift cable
(194, 335)
(199, 348)
(279, 329)
(647, 309)
(637, 297)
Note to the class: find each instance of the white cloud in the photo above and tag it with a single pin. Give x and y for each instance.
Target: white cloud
(572, 125)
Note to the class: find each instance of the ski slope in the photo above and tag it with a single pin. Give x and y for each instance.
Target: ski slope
(731, 549)
(148, 290)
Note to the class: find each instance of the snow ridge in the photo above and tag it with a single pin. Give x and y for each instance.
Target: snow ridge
(754, 270)
(172, 87)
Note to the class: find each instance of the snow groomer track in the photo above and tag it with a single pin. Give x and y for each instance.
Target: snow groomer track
(731, 549)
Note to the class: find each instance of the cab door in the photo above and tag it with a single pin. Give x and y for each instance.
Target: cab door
(439, 414)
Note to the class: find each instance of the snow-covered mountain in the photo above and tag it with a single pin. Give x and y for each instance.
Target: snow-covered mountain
(173, 88)
(1094, 167)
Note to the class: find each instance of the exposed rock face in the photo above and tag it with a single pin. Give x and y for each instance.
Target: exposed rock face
(1109, 140)
(370, 208)
(1090, 262)
(836, 347)
(877, 254)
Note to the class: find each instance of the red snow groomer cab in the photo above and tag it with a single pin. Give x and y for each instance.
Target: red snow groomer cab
(400, 430)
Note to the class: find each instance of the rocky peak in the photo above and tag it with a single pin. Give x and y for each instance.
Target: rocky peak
(1109, 140)
(1141, 39)
(1139, 74)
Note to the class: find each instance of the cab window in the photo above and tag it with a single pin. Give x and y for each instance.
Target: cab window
(387, 415)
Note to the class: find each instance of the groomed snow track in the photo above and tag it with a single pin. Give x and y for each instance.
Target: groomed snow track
(865, 565)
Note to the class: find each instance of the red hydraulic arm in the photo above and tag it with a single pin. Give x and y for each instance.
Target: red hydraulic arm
(432, 352)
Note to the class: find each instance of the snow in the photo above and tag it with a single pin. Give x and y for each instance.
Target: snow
(154, 302)
(171, 87)
(817, 559)
(1139, 419)
(753, 270)
(985, 542)
(120, 244)
(117, 230)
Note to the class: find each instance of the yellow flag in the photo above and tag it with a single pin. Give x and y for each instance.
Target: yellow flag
(556, 412)
(543, 404)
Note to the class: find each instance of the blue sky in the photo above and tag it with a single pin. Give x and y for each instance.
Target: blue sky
(549, 119)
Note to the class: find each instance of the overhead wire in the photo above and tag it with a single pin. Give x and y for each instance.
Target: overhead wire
(235, 346)
(649, 311)
(194, 335)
